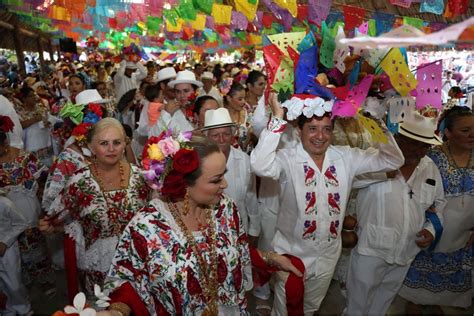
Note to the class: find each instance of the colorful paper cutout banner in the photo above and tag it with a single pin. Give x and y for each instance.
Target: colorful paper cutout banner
(397, 69)
(429, 85)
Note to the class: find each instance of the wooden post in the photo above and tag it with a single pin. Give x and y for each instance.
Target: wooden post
(18, 46)
(39, 46)
(50, 50)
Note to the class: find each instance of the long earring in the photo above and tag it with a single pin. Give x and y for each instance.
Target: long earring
(186, 204)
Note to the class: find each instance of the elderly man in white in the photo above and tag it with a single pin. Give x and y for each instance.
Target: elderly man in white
(128, 78)
(208, 87)
(174, 114)
(219, 127)
(392, 223)
(315, 180)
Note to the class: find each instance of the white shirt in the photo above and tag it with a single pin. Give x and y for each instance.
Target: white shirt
(177, 122)
(242, 189)
(214, 92)
(313, 203)
(12, 223)
(16, 136)
(123, 84)
(389, 218)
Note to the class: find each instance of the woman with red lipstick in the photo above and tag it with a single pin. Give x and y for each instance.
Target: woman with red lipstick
(99, 200)
(185, 253)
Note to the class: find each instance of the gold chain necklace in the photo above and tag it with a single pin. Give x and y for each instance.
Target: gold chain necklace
(113, 212)
(123, 182)
(208, 272)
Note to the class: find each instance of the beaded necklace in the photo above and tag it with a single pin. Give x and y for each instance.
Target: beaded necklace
(208, 272)
(113, 212)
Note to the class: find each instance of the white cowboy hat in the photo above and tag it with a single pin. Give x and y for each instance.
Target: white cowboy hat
(89, 96)
(166, 73)
(420, 128)
(131, 65)
(185, 76)
(207, 75)
(216, 119)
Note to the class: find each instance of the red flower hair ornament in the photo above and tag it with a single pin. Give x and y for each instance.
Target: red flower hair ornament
(167, 160)
(6, 124)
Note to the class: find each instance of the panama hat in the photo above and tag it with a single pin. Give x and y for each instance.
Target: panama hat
(185, 76)
(166, 73)
(420, 128)
(207, 75)
(89, 96)
(216, 119)
(131, 65)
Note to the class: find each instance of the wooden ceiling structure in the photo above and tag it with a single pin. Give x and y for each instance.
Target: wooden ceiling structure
(20, 37)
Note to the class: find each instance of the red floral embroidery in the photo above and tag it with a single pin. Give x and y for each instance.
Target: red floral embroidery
(139, 242)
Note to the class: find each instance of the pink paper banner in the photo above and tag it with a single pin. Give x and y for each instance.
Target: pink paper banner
(429, 85)
(350, 106)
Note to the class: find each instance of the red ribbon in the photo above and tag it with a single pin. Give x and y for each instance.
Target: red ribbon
(294, 286)
(70, 264)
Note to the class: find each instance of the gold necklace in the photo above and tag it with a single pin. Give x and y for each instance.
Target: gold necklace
(113, 213)
(208, 272)
(123, 182)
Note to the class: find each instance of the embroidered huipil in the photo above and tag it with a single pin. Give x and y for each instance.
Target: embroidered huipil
(154, 256)
(390, 216)
(65, 165)
(98, 219)
(313, 202)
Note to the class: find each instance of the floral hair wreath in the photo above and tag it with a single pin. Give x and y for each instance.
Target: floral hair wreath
(6, 124)
(166, 160)
(84, 117)
(308, 105)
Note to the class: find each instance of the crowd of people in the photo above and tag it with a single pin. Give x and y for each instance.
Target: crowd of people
(184, 190)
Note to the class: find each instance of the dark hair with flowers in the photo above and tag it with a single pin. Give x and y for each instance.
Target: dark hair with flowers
(172, 163)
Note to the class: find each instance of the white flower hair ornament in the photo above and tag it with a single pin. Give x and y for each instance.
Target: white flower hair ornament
(308, 105)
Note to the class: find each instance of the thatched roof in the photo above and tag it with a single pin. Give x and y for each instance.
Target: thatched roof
(28, 35)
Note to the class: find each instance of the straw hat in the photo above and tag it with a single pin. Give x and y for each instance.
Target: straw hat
(216, 119)
(89, 96)
(420, 128)
(185, 76)
(131, 65)
(207, 75)
(166, 73)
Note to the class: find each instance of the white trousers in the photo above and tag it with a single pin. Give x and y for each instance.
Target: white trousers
(315, 289)
(372, 284)
(11, 284)
(268, 225)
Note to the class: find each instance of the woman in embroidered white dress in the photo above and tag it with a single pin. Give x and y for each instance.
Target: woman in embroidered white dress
(184, 254)
(99, 200)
